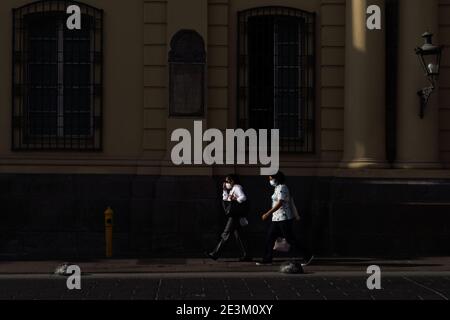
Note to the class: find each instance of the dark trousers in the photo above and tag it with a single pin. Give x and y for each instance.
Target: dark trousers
(232, 227)
(282, 229)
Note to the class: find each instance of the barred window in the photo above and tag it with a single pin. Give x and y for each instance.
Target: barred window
(276, 62)
(57, 78)
(187, 59)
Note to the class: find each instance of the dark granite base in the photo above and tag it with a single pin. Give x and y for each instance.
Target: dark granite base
(61, 216)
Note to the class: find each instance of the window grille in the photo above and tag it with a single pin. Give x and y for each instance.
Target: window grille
(57, 78)
(276, 61)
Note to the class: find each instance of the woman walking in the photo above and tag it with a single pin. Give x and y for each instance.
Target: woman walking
(235, 205)
(282, 217)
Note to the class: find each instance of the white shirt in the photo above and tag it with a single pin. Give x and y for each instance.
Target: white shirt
(284, 213)
(237, 192)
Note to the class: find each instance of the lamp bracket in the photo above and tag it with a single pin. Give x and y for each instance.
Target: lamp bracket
(424, 95)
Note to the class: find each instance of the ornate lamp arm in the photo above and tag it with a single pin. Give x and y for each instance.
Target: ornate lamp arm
(424, 95)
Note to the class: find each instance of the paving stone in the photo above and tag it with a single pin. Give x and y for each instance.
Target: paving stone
(275, 288)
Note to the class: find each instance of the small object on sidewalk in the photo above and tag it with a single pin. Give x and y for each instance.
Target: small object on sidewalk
(292, 267)
(61, 270)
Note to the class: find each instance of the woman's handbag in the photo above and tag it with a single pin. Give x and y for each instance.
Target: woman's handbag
(243, 222)
(294, 210)
(281, 245)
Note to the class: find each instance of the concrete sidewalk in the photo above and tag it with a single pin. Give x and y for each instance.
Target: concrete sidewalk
(201, 266)
(227, 280)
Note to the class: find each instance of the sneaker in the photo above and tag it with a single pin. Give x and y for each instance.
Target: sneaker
(211, 256)
(307, 260)
(264, 263)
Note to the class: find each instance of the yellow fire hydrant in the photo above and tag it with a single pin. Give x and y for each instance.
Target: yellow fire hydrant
(109, 214)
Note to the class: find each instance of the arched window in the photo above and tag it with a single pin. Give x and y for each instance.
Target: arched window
(187, 60)
(276, 62)
(57, 78)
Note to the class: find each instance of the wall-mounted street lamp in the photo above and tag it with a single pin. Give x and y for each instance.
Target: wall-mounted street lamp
(430, 58)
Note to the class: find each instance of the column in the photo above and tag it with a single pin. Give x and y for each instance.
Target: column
(417, 139)
(364, 118)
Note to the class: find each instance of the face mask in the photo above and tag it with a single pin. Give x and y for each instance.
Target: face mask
(228, 186)
(273, 183)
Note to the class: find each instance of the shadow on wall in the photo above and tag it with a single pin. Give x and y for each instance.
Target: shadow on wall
(61, 216)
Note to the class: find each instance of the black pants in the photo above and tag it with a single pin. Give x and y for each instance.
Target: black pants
(232, 227)
(282, 229)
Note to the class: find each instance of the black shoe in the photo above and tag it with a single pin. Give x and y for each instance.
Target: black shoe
(264, 263)
(245, 259)
(307, 259)
(211, 256)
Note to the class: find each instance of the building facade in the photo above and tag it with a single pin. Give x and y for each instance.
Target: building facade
(86, 118)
